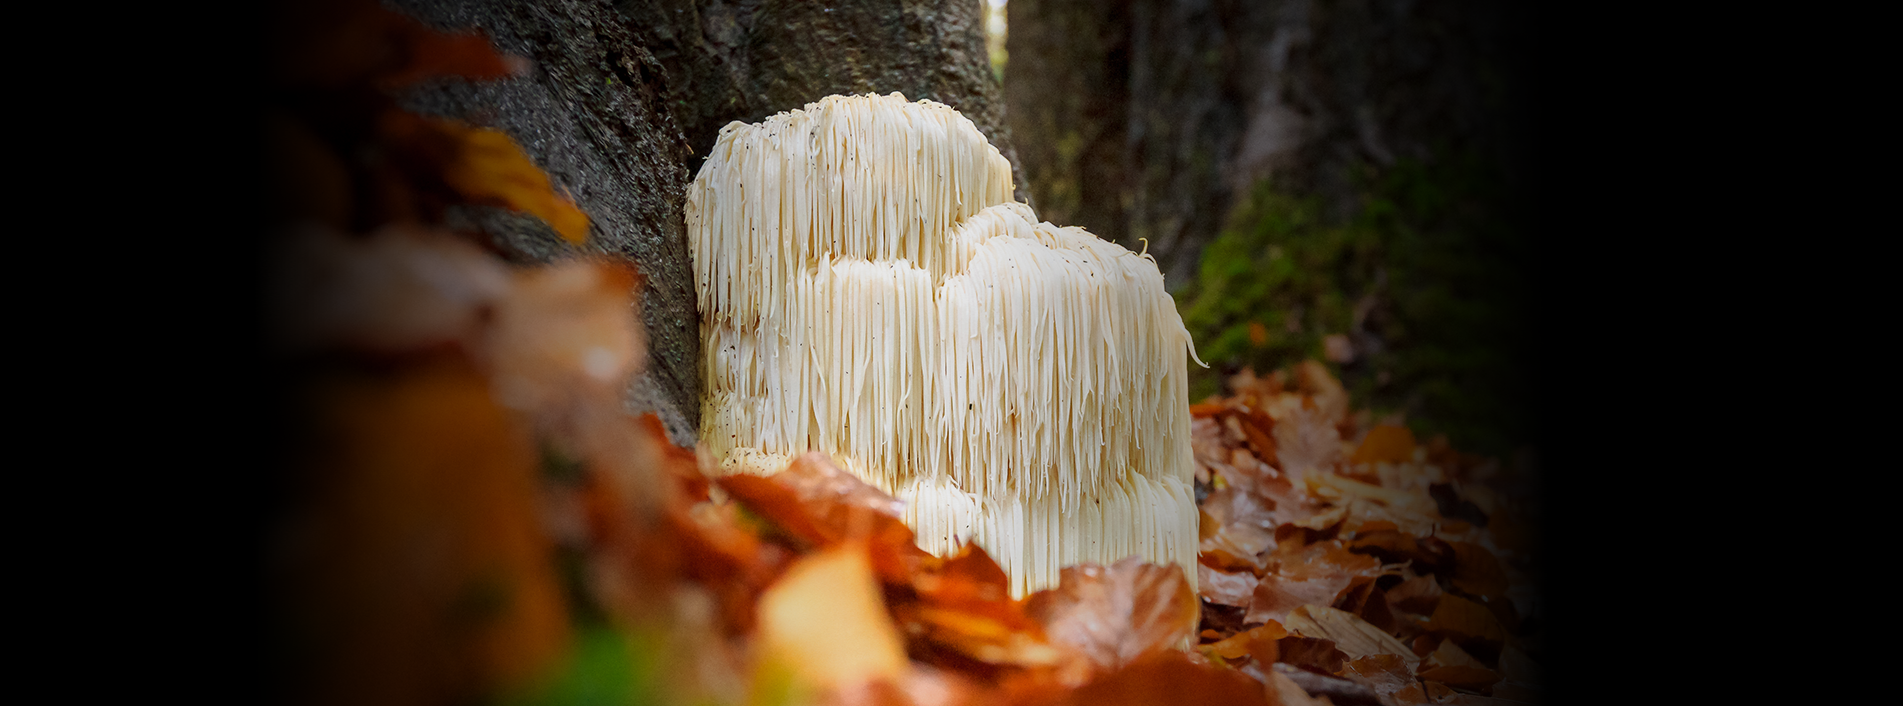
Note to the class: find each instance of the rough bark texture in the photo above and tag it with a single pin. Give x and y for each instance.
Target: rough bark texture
(1389, 135)
(624, 100)
(748, 59)
(1150, 118)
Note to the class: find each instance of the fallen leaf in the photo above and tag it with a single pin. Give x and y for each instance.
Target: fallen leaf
(1327, 688)
(1461, 676)
(826, 622)
(1318, 654)
(1388, 676)
(1117, 613)
(1259, 642)
(1352, 635)
(1477, 571)
(1276, 596)
(1416, 595)
(1225, 588)
(1282, 689)
(1386, 443)
(1169, 677)
(1306, 442)
(446, 162)
(1465, 620)
(1331, 399)
(815, 502)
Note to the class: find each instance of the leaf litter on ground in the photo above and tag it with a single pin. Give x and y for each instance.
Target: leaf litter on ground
(468, 408)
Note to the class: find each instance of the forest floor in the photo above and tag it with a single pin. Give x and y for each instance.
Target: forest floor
(470, 515)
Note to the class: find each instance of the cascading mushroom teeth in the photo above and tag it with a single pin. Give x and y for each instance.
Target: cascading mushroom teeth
(868, 290)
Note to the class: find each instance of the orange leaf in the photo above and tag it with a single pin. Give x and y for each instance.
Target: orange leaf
(433, 54)
(826, 621)
(1117, 613)
(1169, 677)
(491, 168)
(1386, 443)
(816, 503)
(1258, 641)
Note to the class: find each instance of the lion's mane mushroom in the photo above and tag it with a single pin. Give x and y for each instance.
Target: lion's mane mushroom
(868, 290)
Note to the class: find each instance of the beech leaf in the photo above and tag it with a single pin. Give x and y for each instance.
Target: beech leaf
(1117, 613)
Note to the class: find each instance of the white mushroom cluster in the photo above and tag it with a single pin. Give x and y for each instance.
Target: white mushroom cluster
(868, 290)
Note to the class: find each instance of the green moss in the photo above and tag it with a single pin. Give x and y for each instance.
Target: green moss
(1427, 280)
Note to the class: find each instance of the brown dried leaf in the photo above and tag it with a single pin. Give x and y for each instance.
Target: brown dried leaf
(1386, 443)
(964, 605)
(1331, 399)
(1306, 442)
(1386, 675)
(1466, 621)
(1276, 596)
(1225, 588)
(1477, 571)
(1354, 636)
(1461, 676)
(1115, 614)
(1258, 642)
(1449, 654)
(1170, 677)
(1416, 595)
(815, 502)
(1236, 546)
(1312, 653)
(1282, 689)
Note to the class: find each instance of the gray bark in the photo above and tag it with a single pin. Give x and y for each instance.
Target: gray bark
(625, 99)
(1150, 118)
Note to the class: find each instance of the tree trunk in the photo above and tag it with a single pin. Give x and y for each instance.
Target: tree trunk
(1267, 130)
(1150, 118)
(625, 99)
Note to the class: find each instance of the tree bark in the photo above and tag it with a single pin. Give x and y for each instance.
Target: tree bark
(625, 99)
(1150, 118)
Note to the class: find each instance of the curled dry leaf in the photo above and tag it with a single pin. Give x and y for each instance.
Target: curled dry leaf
(1117, 613)
(1416, 595)
(815, 502)
(964, 605)
(1354, 636)
(1225, 588)
(1388, 676)
(452, 162)
(1258, 642)
(1465, 620)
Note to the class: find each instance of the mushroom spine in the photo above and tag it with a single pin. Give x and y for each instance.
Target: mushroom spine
(868, 290)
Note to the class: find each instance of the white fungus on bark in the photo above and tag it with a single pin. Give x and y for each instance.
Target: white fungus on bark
(868, 290)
